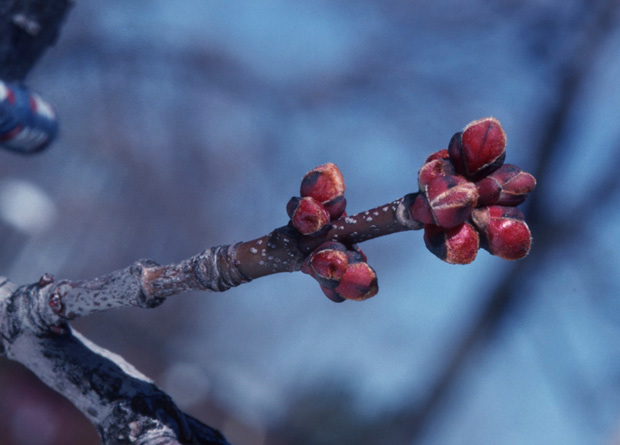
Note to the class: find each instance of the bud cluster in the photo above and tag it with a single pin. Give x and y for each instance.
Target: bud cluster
(322, 200)
(467, 200)
(341, 271)
(468, 196)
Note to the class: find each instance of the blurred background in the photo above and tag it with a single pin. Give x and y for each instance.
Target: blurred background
(189, 124)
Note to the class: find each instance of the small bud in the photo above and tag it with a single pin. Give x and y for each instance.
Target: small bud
(451, 200)
(480, 149)
(503, 231)
(507, 186)
(432, 169)
(516, 184)
(336, 207)
(307, 215)
(458, 245)
(441, 154)
(421, 210)
(356, 254)
(328, 263)
(323, 183)
(358, 283)
(292, 205)
(488, 191)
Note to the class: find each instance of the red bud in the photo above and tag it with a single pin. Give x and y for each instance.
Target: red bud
(421, 211)
(488, 191)
(432, 169)
(356, 254)
(458, 245)
(441, 154)
(328, 264)
(336, 207)
(507, 186)
(516, 185)
(451, 200)
(358, 283)
(323, 183)
(479, 149)
(307, 215)
(503, 231)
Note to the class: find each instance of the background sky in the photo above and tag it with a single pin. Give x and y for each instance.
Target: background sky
(186, 125)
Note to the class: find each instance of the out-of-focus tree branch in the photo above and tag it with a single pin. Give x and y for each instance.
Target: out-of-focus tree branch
(29, 28)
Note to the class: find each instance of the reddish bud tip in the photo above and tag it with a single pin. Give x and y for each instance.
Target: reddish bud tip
(323, 183)
(479, 149)
(507, 186)
(329, 263)
(307, 215)
(432, 169)
(503, 231)
(358, 283)
(451, 200)
(441, 154)
(458, 245)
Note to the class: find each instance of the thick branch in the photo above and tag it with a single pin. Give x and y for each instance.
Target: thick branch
(124, 406)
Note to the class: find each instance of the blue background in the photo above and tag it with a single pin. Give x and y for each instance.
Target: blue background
(189, 124)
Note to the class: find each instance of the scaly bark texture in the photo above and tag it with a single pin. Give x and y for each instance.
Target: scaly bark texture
(124, 406)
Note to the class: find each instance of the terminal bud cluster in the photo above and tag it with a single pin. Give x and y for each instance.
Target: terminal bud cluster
(468, 196)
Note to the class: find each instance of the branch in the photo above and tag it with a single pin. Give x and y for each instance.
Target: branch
(29, 28)
(146, 284)
(124, 406)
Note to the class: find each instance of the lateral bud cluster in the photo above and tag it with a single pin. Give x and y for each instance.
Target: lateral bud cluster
(322, 200)
(341, 270)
